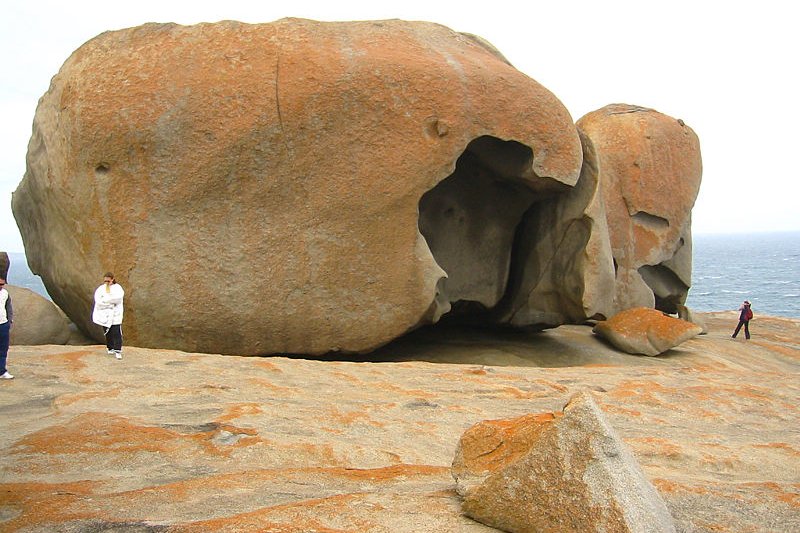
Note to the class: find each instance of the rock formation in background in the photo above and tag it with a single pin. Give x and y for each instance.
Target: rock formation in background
(37, 320)
(649, 169)
(4, 264)
(646, 331)
(309, 187)
(565, 471)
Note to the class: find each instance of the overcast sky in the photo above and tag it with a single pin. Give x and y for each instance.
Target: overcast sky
(729, 70)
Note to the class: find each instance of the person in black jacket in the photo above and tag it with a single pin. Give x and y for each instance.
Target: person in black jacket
(745, 315)
(6, 317)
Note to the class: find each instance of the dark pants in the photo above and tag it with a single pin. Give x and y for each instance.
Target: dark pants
(746, 324)
(4, 335)
(114, 337)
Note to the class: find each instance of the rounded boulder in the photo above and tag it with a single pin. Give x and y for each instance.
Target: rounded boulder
(273, 188)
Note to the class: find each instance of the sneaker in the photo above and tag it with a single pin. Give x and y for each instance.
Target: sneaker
(110, 352)
(118, 355)
(6, 375)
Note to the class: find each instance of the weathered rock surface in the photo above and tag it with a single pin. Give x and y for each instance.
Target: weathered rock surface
(646, 331)
(175, 441)
(4, 264)
(564, 272)
(649, 170)
(566, 471)
(37, 320)
(292, 187)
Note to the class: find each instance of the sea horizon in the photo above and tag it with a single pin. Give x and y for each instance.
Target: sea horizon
(727, 268)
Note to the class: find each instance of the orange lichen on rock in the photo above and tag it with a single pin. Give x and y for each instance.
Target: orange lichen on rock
(784, 446)
(235, 411)
(68, 399)
(645, 331)
(492, 444)
(42, 504)
(671, 486)
(274, 519)
(655, 446)
(72, 360)
(97, 433)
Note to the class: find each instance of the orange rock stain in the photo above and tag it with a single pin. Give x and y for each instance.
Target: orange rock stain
(492, 444)
(97, 433)
(655, 446)
(73, 361)
(616, 409)
(45, 504)
(272, 367)
(287, 518)
(68, 399)
(269, 385)
(786, 447)
(239, 410)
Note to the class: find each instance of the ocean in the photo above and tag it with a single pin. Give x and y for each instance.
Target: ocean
(763, 268)
(726, 269)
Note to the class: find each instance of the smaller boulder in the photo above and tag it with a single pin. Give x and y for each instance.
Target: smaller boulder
(556, 472)
(645, 331)
(37, 320)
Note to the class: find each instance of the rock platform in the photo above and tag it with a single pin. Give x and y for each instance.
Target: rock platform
(172, 441)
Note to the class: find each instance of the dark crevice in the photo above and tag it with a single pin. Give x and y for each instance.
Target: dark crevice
(669, 290)
(650, 221)
(469, 221)
(473, 220)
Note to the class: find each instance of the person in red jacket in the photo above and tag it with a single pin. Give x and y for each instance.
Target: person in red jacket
(745, 315)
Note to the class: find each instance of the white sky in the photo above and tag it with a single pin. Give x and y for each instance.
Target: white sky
(729, 70)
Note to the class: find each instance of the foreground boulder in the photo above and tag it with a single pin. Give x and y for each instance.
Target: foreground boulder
(36, 319)
(556, 472)
(646, 331)
(649, 169)
(297, 186)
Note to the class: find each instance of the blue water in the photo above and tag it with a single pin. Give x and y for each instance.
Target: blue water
(763, 268)
(20, 275)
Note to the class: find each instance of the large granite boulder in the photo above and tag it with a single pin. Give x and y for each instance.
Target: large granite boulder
(567, 471)
(296, 186)
(649, 169)
(646, 331)
(36, 319)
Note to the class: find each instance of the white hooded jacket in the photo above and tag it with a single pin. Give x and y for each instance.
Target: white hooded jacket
(108, 305)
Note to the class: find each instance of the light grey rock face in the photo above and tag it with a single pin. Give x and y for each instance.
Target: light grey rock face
(571, 472)
(564, 270)
(37, 320)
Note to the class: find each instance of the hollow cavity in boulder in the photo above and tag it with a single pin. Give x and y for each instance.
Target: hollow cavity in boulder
(470, 219)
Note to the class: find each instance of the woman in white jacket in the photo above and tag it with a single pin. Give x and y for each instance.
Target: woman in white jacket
(108, 313)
